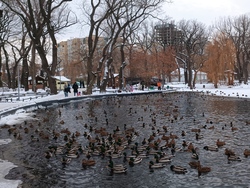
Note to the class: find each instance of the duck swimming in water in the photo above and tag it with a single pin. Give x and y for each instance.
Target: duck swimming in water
(178, 169)
(86, 163)
(202, 169)
(211, 148)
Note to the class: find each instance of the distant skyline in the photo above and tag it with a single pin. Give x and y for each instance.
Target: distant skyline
(205, 11)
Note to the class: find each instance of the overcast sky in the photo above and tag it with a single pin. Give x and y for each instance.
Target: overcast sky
(205, 11)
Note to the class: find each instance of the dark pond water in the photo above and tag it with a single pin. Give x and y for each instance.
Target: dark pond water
(177, 111)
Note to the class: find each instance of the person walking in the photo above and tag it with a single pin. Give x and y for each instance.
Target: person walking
(75, 88)
(66, 90)
(159, 85)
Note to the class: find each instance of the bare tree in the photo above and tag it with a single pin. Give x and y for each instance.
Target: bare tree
(238, 29)
(43, 19)
(194, 40)
(6, 21)
(118, 15)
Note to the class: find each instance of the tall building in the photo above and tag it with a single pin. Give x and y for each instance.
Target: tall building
(70, 58)
(72, 55)
(168, 35)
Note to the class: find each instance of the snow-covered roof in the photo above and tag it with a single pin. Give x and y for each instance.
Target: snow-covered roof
(61, 78)
(182, 72)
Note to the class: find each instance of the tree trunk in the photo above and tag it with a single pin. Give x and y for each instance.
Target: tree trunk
(245, 72)
(1, 74)
(120, 78)
(91, 76)
(47, 69)
(25, 74)
(194, 79)
(33, 68)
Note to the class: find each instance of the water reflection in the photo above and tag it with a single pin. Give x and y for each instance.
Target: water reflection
(146, 113)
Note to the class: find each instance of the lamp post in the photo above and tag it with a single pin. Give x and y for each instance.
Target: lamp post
(18, 83)
(59, 71)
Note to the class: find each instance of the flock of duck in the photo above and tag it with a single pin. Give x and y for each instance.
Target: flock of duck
(126, 145)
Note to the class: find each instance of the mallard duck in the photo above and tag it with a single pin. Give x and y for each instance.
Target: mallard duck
(220, 143)
(137, 160)
(65, 160)
(157, 165)
(229, 152)
(86, 163)
(195, 156)
(211, 148)
(203, 169)
(183, 133)
(233, 158)
(195, 130)
(117, 169)
(194, 164)
(26, 130)
(34, 139)
(77, 134)
(166, 159)
(73, 155)
(198, 136)
(178, 169)
(190, 147)
(48, 154)
(246, 152)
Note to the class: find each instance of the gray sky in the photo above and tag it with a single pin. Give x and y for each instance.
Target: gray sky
(205, 11)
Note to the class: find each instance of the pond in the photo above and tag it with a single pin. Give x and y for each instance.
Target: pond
(216, 118)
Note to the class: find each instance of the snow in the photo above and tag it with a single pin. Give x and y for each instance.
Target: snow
(5, 167)
(242, 91)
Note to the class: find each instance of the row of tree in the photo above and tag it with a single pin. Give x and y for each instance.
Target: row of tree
(30, 27)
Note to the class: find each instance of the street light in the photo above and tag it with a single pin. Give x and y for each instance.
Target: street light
(18, 83)
(59, 71)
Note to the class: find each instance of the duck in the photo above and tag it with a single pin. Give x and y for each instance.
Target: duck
(178, 169)
(195, 156)
(89, 162)
(154, 166)
(48, 154)
(190, 147)
(194, 164)
(26, 130)
(220, 143)
(166, 159)
(195, 130)
(229, 152)
(65, 160)
(34, 139)
(211, 148)
(203, 169)
(117, 169)
(137, 160)
(233, 158)
(183, 133)
(73, 155)
(246, 153)
(198, 136)
(77, 134)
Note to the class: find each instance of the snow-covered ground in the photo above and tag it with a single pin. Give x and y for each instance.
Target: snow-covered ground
(242, 91)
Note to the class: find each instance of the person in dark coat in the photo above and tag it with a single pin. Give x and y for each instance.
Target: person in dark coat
(75, 88)
(66, 90)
